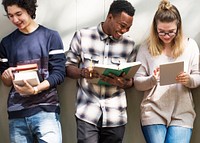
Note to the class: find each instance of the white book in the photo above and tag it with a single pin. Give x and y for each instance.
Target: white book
(28, 72)
(30, 76)
(169, 72)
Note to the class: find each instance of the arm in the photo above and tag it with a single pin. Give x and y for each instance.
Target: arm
(56, 68)
(76, 73)
(194, 73)
(145, 77)
(73, 56)
(191, 78)
(7, 77)
(27, 89)
(56, 63)
(6, 72)
(73, 72)
(143, 83)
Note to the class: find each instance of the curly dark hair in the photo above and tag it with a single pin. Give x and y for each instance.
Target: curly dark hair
(119, 6)
(28, 5)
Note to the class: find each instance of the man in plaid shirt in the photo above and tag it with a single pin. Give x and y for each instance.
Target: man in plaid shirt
(101, 110)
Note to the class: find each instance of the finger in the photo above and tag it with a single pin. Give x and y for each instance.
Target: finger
(5, 75)
(17, 87)
(113, 76)
(11, 74)
(123, 74)
(27, 84)
(182, 74)
(120, 81)
(95, 74)
(85, 73)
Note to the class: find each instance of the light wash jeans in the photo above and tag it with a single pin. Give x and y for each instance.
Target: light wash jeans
(163, 134)
(45, 126)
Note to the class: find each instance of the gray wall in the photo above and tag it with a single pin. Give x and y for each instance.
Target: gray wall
(66, 16)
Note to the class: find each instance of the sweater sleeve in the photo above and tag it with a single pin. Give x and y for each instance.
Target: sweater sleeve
(57, 60)
(3, 65)
(143, 79)
(193, 68)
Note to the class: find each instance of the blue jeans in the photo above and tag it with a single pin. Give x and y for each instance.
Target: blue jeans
(44, 126)
(163, 134)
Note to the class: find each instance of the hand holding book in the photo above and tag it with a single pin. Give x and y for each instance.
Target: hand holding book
(88, 73)
(28, 72)
(120, 81)
(126, 70)
(110, 79)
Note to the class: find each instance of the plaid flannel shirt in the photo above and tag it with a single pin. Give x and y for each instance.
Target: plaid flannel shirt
(94, 100)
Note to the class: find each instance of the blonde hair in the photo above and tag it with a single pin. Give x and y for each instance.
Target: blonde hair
(166, 13)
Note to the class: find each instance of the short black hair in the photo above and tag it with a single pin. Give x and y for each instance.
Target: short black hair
(28, 5)
(119, 6)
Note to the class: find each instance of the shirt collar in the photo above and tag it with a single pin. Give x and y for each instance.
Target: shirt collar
(104, 36)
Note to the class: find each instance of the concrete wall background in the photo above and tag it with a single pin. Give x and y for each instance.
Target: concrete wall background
(66, 16)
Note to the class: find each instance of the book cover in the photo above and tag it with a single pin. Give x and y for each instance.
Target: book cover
(169, 71)
(28, 72)
(26, 67)
(128, 68)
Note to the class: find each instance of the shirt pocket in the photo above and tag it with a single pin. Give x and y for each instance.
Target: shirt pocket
(89, 60)
(118, 60)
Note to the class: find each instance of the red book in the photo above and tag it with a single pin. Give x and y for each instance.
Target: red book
(26, 67)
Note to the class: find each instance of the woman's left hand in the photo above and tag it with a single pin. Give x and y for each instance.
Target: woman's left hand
(183, 78)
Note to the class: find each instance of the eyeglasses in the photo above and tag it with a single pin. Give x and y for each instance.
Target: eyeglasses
(170, 34)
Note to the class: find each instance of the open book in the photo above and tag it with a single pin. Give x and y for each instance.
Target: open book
(28, 72)
(128, 68)
(169, 72)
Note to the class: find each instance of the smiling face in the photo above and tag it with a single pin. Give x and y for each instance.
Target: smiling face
(167, 31)
(118, 25)
(19, 17)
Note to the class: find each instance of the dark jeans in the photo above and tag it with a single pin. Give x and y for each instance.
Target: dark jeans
(89, 133)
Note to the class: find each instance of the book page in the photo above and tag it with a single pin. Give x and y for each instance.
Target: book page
(169, 71)
(128, 68)
(130, 64)
(131, 69)
(102, 66)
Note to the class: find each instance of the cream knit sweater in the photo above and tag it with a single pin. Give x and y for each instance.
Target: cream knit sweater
(169, 104)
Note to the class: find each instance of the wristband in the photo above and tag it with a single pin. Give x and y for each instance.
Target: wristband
(35, 90)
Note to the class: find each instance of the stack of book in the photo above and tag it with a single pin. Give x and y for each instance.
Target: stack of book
(28, 72)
